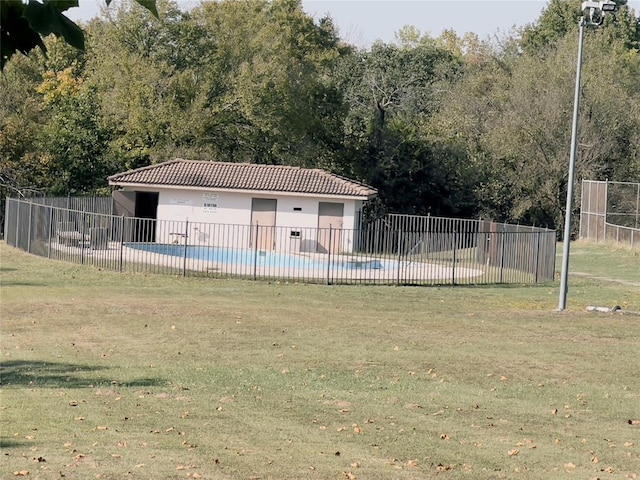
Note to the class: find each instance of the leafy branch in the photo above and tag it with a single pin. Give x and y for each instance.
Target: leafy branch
(24, 25)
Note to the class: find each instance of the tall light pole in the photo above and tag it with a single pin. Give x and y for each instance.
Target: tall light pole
(596, 12)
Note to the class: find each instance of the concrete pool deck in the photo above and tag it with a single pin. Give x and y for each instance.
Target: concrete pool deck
(121, 257)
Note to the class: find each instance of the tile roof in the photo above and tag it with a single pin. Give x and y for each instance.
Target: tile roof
(243, 176)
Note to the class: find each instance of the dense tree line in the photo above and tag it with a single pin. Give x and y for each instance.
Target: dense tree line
(454, 126)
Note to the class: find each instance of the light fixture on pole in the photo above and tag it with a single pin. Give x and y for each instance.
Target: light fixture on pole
(593, 15)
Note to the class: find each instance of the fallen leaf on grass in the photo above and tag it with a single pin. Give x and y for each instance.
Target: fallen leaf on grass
(338, 403)
(527, 441)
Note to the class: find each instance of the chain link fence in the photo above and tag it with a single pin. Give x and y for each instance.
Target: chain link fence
(610, 212)
(394, 250)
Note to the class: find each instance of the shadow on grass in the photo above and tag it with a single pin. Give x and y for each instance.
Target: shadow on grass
(6, 443)
(22, 373)
(21, 284)
(480, 286)
(17, 283)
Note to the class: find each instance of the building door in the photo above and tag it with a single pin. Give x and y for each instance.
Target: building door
(146, 211)
(330, 227)
(263, 223)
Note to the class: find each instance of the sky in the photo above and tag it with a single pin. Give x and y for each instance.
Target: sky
(362, 22)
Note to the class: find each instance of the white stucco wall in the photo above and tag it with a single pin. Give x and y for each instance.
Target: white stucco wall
(223, 218)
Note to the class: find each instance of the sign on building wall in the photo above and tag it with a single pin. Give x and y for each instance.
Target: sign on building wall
(180, 206)
(181, 201)
(210, 202)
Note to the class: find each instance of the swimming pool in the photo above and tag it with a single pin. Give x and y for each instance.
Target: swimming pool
(261, 258)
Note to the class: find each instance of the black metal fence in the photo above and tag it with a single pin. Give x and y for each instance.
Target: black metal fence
(398, 249)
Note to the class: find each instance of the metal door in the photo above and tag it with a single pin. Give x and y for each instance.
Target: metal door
(330, 221)
(263, 223)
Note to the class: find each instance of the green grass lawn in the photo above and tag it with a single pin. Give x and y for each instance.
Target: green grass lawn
(108, 375)
(618, 262)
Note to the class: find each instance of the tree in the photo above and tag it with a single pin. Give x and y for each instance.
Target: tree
(72, 142)
(392, 92)
(23, 25)
(562, 16)
(235, 81)
(514, 116)
(275, 100)
(20, 120)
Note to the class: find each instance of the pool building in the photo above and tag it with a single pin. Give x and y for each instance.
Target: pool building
(274, 207)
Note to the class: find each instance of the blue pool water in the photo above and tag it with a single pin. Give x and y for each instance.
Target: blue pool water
(259, 258)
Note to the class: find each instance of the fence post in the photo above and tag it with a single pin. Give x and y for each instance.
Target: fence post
(82, 234)
(537, 253)
(29, 228)
(186, 242)
(329, 256)
(18, 205)
(399, 254)
(503, 238)
(606, 208)
(51, 231)
(255, 252)
(121, 243)
(453, 258)
(637, 209)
